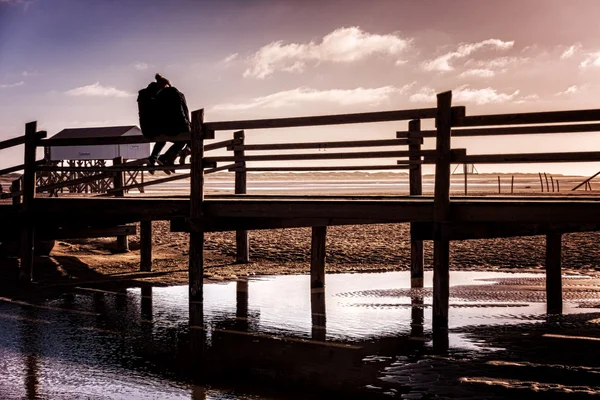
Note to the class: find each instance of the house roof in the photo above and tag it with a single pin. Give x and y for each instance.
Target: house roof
(105, 131)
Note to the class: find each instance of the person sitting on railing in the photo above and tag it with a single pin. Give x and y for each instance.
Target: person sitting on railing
(173, 117)
(148, 119)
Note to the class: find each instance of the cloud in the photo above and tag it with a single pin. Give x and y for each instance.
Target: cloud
(303, 95)
(344, 45)
(25, 3)
(570, 90)
(11, 85)
(95, 89)
(442, 63)
(591, 60)
(498, 63)
(141, 66)
(464, 94)
(570, 52)
(230, 58)
(477, 72)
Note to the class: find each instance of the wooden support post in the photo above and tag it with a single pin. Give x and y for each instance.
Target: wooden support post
(541, 181)
(441, 210)
(122, 241)
(417, 318)
(552, 181)
(512, 185)
(146, 246)
(196, 266)
(553, 273)
(547, 185)
(416, 189)
(27, 228)
(242, 244)
(16, 188)
(465, 169)
(499, 188)
(557, 186)
(196, 254)
(317, 281)
(146, 303)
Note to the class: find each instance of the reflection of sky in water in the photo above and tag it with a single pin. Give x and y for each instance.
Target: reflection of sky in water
(92, 349)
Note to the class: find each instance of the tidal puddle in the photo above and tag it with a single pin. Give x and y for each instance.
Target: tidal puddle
(369, 336)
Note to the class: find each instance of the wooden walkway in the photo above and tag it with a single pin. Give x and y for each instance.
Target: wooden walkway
(439, 218)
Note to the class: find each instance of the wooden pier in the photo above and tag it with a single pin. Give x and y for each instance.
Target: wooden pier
(440, 218)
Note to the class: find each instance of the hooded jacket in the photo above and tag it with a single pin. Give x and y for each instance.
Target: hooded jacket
(147, 111)
(172, 112)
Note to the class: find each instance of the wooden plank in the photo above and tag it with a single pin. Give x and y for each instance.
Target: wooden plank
(518, 130)
(56, 232)
(416, 189)
(218, 145)
(326, 145)
(553, 273)
(316, 156)
(524, 158)
(146, 246)
(548, 117)
(441, 244)
(329, 168)
(27, 206)
(242, 244)
(228, 167)
(383, 116)
(196, 254)
(5, 144)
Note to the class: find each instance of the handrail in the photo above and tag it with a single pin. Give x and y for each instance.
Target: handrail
(316, 156)
(518, 130)
(326, 168)
(5, 144)
(98, 141)
(546, 117)
(523, 158)
(19, 167)
(357, 118)
(324, 145)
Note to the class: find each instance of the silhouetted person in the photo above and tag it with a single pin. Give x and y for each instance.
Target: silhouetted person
(163, 111)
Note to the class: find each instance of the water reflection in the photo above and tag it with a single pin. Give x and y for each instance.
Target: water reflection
(366, 336)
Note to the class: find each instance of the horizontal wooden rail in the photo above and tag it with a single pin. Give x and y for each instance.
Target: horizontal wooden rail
(98, 141)
(326, 168)
(177, 177)
(5, 144)
(384, 116)
(19, 167)
(317, 156)
(228, 167)
(518, 130)
(547, 117)
(325, 145)
(586, 156)
(218, 145)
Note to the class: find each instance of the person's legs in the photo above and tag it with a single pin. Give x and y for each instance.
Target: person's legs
(158, 146)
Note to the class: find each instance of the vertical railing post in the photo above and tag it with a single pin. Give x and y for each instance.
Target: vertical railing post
(441, 209)
(242, 244)
(122, 241)
(553, 273)
(196, 254)
(416, 189)
(27, 228)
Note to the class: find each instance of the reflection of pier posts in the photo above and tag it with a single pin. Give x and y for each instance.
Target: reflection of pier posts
(241, 304)
(317, 282)
(146, 302)
(417, 319)
(553, 273)
(31, 347)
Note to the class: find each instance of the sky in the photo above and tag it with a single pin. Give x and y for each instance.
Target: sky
(79, 63)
